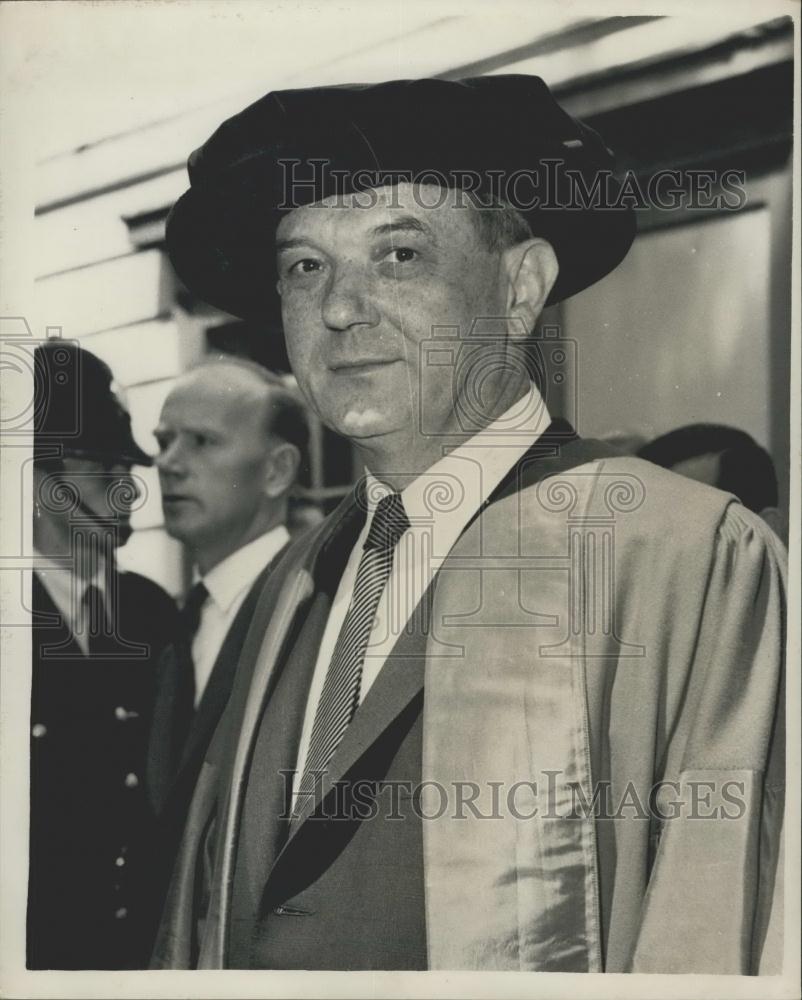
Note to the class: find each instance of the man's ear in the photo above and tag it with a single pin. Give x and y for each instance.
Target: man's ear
(282, 471)
(532, 269)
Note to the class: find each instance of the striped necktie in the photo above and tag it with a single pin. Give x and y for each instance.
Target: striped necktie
(340, 696)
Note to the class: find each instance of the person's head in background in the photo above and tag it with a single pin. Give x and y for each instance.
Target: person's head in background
(232, 438)
(724, 457)
(84, 451)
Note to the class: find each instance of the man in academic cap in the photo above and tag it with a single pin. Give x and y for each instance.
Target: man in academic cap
(516, 703)
(97, 635)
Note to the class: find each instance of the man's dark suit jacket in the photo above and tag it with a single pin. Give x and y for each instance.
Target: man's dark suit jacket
(177, 745)
(89, 813)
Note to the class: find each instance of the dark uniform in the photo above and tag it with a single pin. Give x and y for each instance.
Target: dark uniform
(92, 700)
(89, 813)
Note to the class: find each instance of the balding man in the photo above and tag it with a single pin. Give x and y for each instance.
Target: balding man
(231, 437)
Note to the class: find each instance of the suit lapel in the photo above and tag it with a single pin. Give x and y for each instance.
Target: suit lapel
(398, 681)
(397, 685)
(266, 802)
(263, 656)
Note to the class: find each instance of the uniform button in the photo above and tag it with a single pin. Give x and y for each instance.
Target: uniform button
(122, 713)
(121, 913)
(38, 731)
(131, 780)
(120, 861)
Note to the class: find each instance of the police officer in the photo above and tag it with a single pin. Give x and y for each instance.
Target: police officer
(97, 634)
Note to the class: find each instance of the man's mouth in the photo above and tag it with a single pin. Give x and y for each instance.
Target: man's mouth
(361, 364)
(176, 498)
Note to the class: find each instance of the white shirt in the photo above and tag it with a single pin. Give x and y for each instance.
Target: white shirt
(439, 504)
(67, 592)
(228, 584)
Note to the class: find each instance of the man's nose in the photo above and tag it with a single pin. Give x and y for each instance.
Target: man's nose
(169, 461)
(348, 301)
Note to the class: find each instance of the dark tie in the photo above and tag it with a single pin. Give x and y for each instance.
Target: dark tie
(99, 635)
(188, 621)
(340, 696)
(189, 615)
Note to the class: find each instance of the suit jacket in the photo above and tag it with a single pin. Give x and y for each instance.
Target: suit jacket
(313, 894)
(176, 748)
(605, 630)
(89, 813)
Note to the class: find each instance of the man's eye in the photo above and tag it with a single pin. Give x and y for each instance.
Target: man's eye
(199, 440)
(306, 266)
(401, 255)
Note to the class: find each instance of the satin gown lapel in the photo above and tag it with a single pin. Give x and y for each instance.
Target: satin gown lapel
(536, 875)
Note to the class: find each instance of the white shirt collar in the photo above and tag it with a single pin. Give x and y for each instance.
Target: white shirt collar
(237, 572)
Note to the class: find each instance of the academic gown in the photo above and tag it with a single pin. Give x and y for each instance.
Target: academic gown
(605, 658)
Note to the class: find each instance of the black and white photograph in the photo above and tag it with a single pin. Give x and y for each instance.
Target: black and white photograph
(400, 440)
